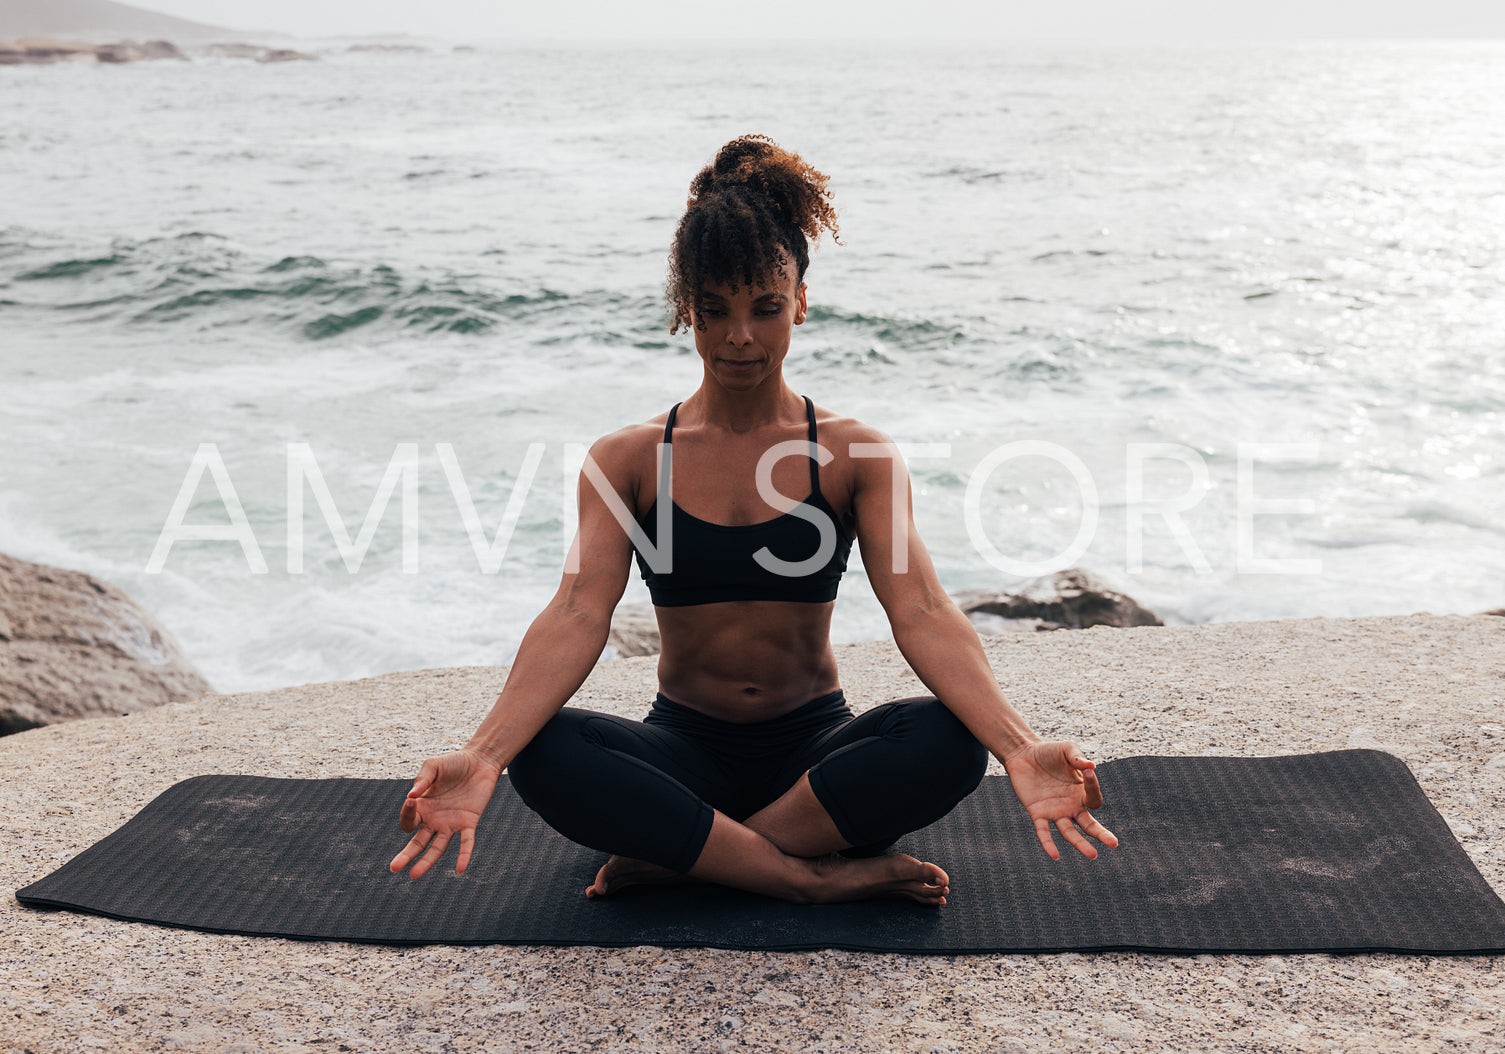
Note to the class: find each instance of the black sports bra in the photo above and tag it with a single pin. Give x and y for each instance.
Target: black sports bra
(714, 562)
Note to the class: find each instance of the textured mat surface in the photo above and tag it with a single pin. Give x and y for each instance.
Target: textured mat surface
(1337, 851)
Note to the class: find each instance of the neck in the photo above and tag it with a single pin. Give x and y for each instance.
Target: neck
(771, 403)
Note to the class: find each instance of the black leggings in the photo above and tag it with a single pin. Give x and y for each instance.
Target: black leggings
(647, 789)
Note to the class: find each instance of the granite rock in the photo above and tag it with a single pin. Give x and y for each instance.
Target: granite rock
(1069, 599)
(634, 631)
(72, 646)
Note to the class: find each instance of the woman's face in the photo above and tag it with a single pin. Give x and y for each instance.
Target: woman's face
(742, 335)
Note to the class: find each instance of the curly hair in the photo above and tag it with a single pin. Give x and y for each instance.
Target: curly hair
(754, 199)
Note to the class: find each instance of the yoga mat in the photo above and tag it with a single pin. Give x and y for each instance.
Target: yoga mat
(1336, 851)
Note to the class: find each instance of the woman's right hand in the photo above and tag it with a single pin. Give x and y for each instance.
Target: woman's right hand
(448, 795)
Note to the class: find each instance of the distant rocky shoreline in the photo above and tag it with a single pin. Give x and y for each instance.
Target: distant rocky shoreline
(40, 51)
(37, 51)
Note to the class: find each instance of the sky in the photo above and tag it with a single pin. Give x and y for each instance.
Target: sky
(836, 21)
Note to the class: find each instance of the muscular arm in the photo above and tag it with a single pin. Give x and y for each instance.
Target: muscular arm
(565, 640)
(451, 791)
(1054, 781)
(932, 634)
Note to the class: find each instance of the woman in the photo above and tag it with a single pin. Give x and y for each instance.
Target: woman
(749, 770)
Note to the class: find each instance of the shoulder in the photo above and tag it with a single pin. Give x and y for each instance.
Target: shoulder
(626, 456)
(855, 444)
(838, 433)
(630, 441)
(863, 457)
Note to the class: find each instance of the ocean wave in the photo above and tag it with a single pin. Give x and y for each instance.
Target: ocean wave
(982, 175)
(68, 268)
(939, 352)
(199, 281)
(1440, 512)
(908, 332)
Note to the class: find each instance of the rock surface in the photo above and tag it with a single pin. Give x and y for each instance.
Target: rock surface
(1428, 688)
(42, 50)
(634, 631)
(1069, 599)
(285, 55)
(72, 646)
(37, 50)
(130, 51)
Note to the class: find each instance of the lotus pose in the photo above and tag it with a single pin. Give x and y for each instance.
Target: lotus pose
(741, 504)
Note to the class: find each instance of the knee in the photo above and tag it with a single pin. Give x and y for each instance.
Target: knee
(956, 753)
(548, 756)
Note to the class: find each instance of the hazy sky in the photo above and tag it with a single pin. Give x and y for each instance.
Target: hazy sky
(833, 21)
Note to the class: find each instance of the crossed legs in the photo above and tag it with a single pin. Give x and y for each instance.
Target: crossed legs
(788, 849)
(666, 805)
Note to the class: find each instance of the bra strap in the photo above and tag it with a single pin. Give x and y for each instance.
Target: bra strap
(665, 471)
(814, 464)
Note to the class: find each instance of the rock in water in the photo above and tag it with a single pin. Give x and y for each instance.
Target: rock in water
(123, 51)
(130, 51)
(1071, 599)
(285, 55)
(72, 646)
(162, 49)
(634, 630)
(34, 50)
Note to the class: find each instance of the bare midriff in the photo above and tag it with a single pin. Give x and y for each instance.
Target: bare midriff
(746, 660)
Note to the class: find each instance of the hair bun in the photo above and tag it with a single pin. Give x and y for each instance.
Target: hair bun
(795, 188)
(750, 206)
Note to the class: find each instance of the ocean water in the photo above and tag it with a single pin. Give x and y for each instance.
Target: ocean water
(1281, 262)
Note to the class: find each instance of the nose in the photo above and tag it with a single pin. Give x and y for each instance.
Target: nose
(739, 333)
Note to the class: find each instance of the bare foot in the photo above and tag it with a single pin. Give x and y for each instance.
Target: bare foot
(841, 878)
(622, 871)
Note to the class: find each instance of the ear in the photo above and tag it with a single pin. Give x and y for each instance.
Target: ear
(800, 306)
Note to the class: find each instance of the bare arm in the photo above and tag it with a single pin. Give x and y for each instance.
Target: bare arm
(932, 634)
(1054, 781)
(565, 640)
(556, 655)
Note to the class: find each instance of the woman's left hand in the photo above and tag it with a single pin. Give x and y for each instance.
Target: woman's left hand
(1057, 785)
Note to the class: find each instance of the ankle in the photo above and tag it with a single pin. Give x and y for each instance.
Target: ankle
(821, 878)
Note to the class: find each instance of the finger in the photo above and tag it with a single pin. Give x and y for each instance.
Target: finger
(1042, 831)
(1094, 790)
(1102, 834)
(1072, 835)
(409, 819)
(1077, 762)
(467, 843)
(435, 851)
(422, 782)
(409, 851)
